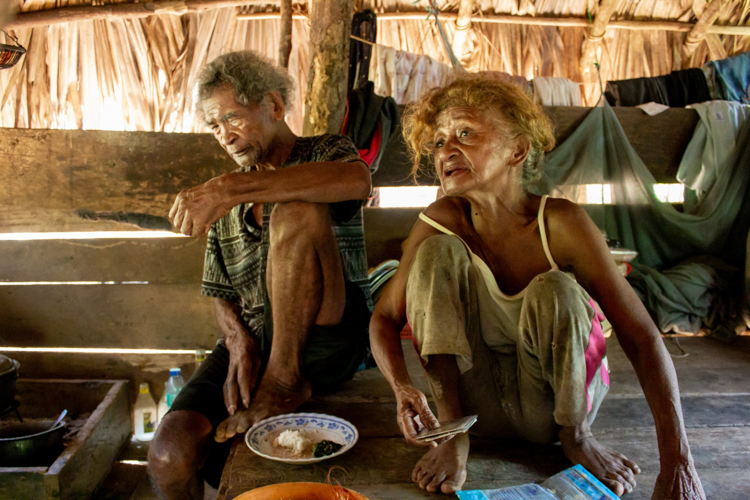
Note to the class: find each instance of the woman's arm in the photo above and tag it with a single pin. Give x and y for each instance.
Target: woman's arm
(387, 321)
(576, 243)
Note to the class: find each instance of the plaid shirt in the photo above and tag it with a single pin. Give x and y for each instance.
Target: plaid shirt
(237, 250)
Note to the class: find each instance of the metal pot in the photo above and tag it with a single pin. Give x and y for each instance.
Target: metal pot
(31, 444)
(8, 377)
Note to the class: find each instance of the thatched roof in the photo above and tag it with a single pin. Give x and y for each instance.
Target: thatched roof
(135, 73)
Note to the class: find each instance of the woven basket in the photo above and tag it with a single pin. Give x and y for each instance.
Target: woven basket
(10, 55)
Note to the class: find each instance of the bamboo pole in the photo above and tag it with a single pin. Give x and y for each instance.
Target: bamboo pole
(463, 24)
(605, 12)
(698, 33)
(285, 42)
(118, 11)
(580, 22)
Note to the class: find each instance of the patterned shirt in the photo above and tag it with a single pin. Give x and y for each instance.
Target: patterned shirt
(237, 250)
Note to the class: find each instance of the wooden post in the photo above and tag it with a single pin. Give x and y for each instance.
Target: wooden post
(698, 33)
(463, 24)
(285, 42)
(325, 104)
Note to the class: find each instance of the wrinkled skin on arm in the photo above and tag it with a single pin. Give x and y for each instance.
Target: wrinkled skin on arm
(389, 317)
(577, 245)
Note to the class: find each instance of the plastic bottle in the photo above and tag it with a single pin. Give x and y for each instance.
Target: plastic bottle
(200, 357)
(144, 415)
(162, 408)
(174, 385)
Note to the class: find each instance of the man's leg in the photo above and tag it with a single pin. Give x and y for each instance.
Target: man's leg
(183, 453)
(560, 352)
(178, 452)
(441, 301)
(306, 287)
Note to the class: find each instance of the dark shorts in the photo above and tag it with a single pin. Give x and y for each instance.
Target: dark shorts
(332, 356)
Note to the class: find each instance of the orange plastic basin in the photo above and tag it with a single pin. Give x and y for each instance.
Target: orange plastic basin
(300, 491)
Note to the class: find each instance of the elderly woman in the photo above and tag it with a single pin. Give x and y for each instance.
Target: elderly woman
(499, 285)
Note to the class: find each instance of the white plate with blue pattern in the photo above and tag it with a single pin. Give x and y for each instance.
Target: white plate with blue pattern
(317, 427)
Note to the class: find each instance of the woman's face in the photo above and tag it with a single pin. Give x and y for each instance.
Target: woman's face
(472, 152)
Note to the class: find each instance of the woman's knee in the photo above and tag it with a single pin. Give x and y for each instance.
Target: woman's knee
(440, 251)
(556, 289)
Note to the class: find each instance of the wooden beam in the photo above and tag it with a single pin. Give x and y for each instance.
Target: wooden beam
(570, 22)
(118, 10)
(178, 7)
(325, 103)
(285, 35)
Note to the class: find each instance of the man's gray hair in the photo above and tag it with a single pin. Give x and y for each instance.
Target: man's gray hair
(251, 75)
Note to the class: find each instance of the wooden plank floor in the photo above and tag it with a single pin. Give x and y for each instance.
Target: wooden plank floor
(716, 399)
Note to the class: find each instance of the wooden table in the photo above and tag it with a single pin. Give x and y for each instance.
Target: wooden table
(716, 401)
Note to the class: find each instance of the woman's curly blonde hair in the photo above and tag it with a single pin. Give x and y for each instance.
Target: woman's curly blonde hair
(499, 100)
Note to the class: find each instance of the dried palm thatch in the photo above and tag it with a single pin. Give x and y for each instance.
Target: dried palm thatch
(136, 74)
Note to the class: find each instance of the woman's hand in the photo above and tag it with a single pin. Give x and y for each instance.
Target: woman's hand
(414, 414)
(679, 483)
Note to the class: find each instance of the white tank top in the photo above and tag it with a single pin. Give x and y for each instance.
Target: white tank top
(499, 313)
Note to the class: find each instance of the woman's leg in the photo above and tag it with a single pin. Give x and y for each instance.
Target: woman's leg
(442, 307)
(562, 376)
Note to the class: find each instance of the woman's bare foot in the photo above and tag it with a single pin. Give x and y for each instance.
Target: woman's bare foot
(273, 397)
(611, 468)
(443, 468)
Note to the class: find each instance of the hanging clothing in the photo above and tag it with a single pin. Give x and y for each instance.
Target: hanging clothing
(713, 143)
(686, 87)
(550, 91)
(637, 91)
(732, 76)
(371, 121)
(405, 76)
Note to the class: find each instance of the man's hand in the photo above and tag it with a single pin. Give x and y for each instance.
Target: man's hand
(244, 363)
(414, 414)
(679, 483)
(195, 209)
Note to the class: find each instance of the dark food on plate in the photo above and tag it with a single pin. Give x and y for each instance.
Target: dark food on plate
(325, 448)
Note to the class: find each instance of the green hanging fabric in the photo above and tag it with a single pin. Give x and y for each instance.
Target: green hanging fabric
(598, 152)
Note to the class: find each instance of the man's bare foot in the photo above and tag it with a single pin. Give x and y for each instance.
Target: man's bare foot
(443, 468)
(611, 468)
(273, 397)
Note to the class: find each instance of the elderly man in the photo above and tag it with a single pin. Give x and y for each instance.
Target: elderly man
(285, 264)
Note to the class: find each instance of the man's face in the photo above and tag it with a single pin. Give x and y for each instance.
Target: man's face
(244, 131)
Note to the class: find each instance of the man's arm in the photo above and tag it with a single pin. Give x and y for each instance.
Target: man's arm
(244, 355)
(195, 209)
(576, 242)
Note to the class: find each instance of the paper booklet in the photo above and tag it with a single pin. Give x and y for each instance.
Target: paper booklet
(575, 483)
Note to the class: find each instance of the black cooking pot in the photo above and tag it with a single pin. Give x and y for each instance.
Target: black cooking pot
(31, 444)
(8, 377)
